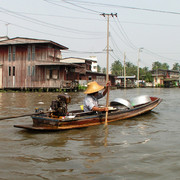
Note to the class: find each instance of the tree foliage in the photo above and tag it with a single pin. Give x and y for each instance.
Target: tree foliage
(145, 74)
(116, 68)
(104, 70)
(176, 66)
(159, 65)
(98, 69)
(131, 69)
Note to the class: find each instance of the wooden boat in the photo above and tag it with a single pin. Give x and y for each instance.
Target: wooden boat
(79, 119)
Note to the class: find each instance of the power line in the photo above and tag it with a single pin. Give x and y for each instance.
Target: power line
(84, 52)
(125, 34)
(151, 24)
(116, 46)
(129, 7)
(122, 40)
(67, 7)
(47, 24)
(41, 32)
(157, 55)
(83, 7)
(59, 16)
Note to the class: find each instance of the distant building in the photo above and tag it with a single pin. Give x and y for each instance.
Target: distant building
(166, 78)
(88, 63)
(94, 63)
(130, 81)
(27, 63)
(2, 38)
(31, 63)
(87, 68)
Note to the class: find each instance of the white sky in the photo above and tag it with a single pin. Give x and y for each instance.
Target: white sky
(83, 31)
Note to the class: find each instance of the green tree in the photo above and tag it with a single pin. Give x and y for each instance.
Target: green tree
(146, 75)
(165, 66)
(159, 65)
(156, 65)
(176, 66)
(116, 68)
(104, 70)
(131, 69)
(98, 69)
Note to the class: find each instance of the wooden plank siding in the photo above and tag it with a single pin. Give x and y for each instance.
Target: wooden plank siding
(24, 65)
(36, 64)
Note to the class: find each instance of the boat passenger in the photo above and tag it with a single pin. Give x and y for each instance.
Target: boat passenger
(93, 94)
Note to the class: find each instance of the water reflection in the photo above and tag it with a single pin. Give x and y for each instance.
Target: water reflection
(144, 147)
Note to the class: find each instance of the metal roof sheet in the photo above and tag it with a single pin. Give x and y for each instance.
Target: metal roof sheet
(54, 64)
(20, 40)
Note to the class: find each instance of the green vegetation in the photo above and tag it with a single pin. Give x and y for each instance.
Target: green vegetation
(81, 87)
(144, 73)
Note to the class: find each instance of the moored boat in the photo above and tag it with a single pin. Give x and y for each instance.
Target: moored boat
(59, 118)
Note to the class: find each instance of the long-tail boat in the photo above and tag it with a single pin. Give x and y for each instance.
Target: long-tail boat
(59, 118)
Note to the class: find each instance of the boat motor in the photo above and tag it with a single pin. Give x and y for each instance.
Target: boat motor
(59, 107)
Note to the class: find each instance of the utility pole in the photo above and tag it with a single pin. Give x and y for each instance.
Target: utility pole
(140, 50)
(179, 77)
(107, 61)
(7, 29)
(124, 70)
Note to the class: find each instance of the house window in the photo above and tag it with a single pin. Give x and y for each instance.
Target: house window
(13, 70)
(50, 74)
(29, 53)
(33, 52)
(9, 71)
(89, 78)
(53, 74)
(9, 53)
(29, 70)
(14, 53)
(33, 70)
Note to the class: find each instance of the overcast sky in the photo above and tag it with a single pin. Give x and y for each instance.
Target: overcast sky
(153, 25)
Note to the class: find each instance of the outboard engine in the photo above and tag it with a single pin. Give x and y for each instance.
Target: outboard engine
(59, 106)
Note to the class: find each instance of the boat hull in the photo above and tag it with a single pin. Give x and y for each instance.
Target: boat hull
(54, 124)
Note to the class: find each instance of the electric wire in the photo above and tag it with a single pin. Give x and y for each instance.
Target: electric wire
(124, 33)
(83, 7)
(84, 52)
(160, 56)
(36, 21)
(55, 35)
(122, 40)
(67, 7)
(129, 7)
(59, 16)
(96, 19)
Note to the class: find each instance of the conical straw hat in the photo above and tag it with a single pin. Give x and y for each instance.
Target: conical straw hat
(93, 87)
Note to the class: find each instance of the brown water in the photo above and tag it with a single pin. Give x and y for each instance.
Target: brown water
(145, 147)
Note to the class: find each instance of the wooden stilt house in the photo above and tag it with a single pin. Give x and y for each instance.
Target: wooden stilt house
(32, 63)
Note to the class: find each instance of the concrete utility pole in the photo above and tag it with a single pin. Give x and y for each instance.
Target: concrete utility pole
(107, 62)
(124, 70)
(7, 29)
(140, 50)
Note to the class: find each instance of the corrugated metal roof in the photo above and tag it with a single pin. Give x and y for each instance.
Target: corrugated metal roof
(20, 40)
(78, 58)
(54, 64)
(127, 77)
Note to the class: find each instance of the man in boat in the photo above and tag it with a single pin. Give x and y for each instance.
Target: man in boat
(93, 94)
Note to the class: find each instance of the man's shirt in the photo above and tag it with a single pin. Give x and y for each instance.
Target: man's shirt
(90, 101)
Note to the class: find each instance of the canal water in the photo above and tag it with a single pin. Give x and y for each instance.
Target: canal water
(145, 147)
